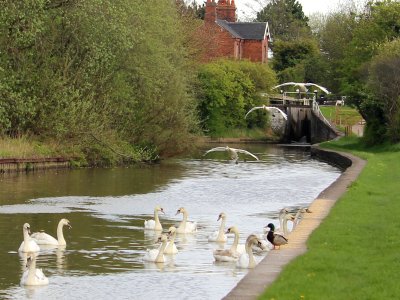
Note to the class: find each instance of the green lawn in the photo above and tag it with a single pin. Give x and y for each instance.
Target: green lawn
(355, 253)
(341, 115)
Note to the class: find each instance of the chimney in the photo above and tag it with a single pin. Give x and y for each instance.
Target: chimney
(226, 10)
(211, 12)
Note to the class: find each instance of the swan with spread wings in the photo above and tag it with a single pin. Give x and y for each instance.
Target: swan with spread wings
(303, 86)
(268, 108)
(233, 152)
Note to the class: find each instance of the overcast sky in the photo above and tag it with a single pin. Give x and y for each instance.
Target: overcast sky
(247, 7)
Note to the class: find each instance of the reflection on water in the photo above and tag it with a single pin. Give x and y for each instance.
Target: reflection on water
(107, 208)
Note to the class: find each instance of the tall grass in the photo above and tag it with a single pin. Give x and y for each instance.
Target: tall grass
(355, 253)
(24, 147)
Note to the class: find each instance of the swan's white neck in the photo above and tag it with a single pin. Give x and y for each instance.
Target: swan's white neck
(249, 251)
(26, 235)
(182, 226)
(156, 216)
(235, 242)
(160, 256)
(32, 270)
(297, 218)
(60, 234)
(285, 231)
(171, 242)
(281, 219)
(157, 220)
(221, 230)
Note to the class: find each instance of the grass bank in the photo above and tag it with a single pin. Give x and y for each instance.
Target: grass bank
(88, 152)
(354, 254)
(341, 115)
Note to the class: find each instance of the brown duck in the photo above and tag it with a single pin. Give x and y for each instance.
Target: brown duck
(275, 238)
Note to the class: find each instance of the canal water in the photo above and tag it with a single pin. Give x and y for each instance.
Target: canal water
(103, 258)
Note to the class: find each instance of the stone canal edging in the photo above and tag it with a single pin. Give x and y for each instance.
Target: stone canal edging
(12, 165)
(259, 278)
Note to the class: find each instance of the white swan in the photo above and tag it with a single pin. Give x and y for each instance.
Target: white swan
(233, 253)
(185, 226)
(284, 217)
(28, 245)
(268, 108)
(154, 224)
(302, 86)
(246, 260)
(299, 215)
(31, 275)
(263, 246)
(233, 152)
(171, 247)
(219, 236)
(157, 255)
(42, 238)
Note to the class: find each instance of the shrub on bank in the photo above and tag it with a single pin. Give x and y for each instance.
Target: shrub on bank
(227, 89)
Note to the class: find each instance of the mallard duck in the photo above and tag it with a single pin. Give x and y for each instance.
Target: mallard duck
(275, 238)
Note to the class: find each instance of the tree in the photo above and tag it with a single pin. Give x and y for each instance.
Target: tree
(289, 58)
(384, 86)
(378, 24)
(286, 19)
(227, 90)
(116, 70)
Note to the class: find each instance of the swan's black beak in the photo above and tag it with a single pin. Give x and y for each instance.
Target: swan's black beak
(29, 230)
(28, 261)
(178, 212)
(162, 210)
(219, 218)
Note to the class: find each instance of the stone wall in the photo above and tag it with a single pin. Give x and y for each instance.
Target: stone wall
(305, 126)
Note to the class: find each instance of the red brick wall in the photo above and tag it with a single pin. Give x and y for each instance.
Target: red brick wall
(256, 51)
(222, 44)
(227, 13)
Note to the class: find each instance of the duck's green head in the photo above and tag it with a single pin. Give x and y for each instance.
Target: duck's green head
(271, 226)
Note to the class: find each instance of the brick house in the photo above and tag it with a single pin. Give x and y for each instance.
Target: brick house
(239, 40)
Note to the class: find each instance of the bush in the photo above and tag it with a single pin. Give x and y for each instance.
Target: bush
(227, 90)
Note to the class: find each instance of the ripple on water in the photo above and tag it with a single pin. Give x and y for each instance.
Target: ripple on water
(104, 255)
